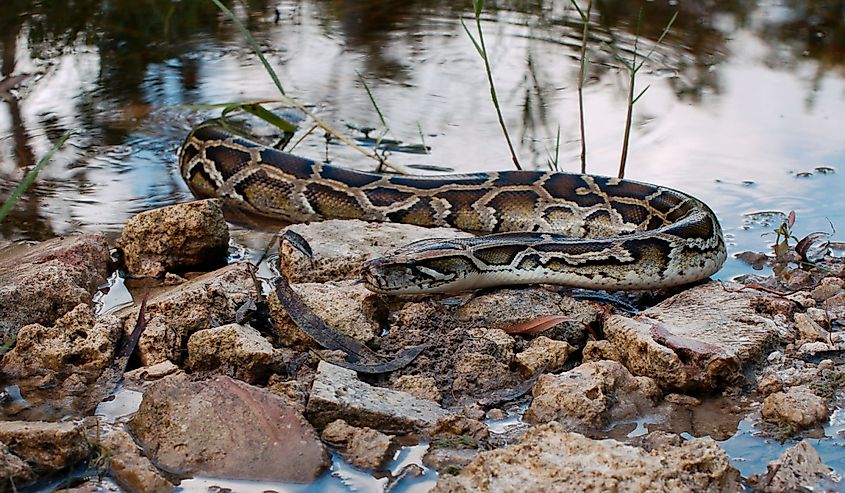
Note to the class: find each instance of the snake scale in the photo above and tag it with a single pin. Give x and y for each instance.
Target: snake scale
(536, 227)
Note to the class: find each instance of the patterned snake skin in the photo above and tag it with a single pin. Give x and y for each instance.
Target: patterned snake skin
(538, 227)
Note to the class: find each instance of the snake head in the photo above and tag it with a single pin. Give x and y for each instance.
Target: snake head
(426, 266)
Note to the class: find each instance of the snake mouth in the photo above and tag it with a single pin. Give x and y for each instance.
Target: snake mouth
(398, 275)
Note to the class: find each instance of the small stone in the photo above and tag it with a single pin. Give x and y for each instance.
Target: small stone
(769, 384)
(828, 287)
(775, 357)
(543, 352)
(814, 347)
(480, 373)
(809, 330)
(600, 350)
(549, 458)
(292, 391)
(591, 396)
(365, 448)
(682, 400)
(826, 364)
(496, 414)
(177, 312)
(47, 447)
(128, 465)
(460, 426)
(419, 386)
(346, 306)
(240, 351)
(42, 282)
(12, 468)
(800, 468)
(337, 393)
(146, 374)
(176, 237)
(226, 428)
(798, 407)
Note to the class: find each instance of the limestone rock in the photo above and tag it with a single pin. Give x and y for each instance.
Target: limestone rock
(40, 283)
(226, 428)
(551, 459)
(809, 330)
(338, 394)
(698, 339)
(419, 386)
(798, 407)
(12, 468)
(480, 373)
(47, 447)
(591, 396)
(77, 343)
(237, 350)
(348, 307)
(503, 343)
(130, 468)
(176, 237)
(543, 352)
(800, 468)
(176, 312)
(341, 247)
(364, 448)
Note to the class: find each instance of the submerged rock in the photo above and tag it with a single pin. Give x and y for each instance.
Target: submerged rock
(338, 394)
(341, 247)
(699, 339)
(800, 468)
(551, 459)
(226, 428)
(237, 350)
(207, 301)
(364, 448)
(46, 447)
(176, 237)
(591, 396)
(39, 283)
(798, 407)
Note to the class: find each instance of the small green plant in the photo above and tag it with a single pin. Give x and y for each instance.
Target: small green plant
(456, 442)
(30, 177)
(828, 383)
(554, 160)
(783, 235)
(633, 66)
(582, 76)
(481, 48)
(7, 345)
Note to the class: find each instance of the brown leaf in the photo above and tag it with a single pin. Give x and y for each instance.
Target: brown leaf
(805, 250)
(537, 325)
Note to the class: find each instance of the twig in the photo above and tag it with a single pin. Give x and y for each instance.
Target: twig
(582, 74)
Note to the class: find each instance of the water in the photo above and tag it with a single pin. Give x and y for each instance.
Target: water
(744, 107)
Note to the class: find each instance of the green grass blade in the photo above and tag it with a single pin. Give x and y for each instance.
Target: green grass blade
(30, 178)
(478, 6)
(252, 43)
(372, 99)
(472, 38)
(269, 117)
(640, 94)
(580, 12)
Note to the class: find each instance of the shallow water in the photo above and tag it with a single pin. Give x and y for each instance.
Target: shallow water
(744, 107)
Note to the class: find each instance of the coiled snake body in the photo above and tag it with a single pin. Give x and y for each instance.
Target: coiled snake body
(539, 227)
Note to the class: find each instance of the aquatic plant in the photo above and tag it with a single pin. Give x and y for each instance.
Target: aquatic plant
(481, 48)
(30, 177)
(633, 66)
(582, 75)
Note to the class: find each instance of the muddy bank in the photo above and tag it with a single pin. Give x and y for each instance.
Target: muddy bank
(504, 388)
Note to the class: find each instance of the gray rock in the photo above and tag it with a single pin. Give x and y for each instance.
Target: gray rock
(39, 283)
(800, 468)
(226, 428)
(591, 396)
(236, 350)
(176, 312)
(551, 459)
(340, 247)
(47, 447)
(176, 237)
(699, 339)
(338, 394)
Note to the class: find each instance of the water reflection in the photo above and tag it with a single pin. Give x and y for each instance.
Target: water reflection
(740, 92)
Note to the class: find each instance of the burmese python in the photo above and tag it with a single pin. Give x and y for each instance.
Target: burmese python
(580, 230)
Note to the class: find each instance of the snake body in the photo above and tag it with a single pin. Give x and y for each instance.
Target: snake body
(537, 227)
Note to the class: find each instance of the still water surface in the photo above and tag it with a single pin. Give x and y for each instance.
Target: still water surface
(745, 105)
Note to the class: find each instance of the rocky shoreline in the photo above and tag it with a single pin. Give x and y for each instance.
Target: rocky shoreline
(230, 386)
